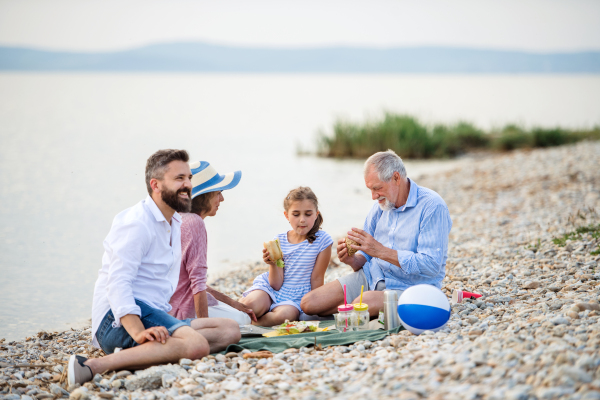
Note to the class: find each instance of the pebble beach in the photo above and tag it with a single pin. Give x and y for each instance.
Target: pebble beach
(534, 333)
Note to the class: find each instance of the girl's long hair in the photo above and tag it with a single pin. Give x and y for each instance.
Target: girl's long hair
(305, 193)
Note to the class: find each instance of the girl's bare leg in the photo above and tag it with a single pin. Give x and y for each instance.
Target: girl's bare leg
(259, 301)
(278, 316)
(324, 300)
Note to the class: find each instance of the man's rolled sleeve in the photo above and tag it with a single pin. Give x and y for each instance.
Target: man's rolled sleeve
(365, 255)
(407, 262)
(125, 310)
(125, 259)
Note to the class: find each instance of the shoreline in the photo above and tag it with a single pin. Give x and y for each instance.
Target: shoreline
(534, 334)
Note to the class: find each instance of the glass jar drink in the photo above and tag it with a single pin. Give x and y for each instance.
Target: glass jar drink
(362, 316)
(345, 320)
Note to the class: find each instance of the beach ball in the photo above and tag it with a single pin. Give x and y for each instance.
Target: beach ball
(423, 307)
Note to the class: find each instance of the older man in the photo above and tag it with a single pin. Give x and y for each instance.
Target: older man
(404, 241)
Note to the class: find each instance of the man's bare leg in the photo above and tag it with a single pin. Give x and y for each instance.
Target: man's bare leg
(184, 343)
(374, 299)
(219, 332)
(279, 315)
(323, 301)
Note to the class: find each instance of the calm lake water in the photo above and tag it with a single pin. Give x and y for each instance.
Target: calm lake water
(73, 150)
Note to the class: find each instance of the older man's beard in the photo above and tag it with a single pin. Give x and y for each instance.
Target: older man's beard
(387, 205)
(172, 199)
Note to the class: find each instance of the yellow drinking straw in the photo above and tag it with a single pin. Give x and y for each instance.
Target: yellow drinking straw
(361, 290)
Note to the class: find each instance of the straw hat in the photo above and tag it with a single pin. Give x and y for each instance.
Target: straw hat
(206, 179)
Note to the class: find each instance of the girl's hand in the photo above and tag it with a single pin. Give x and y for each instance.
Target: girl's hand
(275, 273)
(267, 258)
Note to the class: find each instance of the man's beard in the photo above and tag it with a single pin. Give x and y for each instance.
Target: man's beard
(172, 199)
(387, 205)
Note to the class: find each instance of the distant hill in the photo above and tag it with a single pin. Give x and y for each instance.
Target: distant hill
(201, 57)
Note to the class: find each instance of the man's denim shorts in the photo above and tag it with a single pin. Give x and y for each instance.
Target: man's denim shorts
(111, 338)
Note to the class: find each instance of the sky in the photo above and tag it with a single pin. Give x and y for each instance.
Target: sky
(90, 25)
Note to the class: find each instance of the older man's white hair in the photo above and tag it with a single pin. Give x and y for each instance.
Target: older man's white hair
(386, 163)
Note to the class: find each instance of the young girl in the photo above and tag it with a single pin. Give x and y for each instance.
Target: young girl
(275, 295)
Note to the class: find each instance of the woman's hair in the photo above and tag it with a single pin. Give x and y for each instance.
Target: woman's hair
(201, 203)
(305, 193)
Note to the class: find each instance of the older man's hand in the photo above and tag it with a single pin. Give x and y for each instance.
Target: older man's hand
(345, 258)
(342, 252)
(367, 243)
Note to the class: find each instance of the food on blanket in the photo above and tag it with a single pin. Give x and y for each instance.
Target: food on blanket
(298, 327)
(274, 249)
(351, 251)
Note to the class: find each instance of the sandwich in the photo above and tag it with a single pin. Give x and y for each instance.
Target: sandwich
(275, 253)
(351, 251)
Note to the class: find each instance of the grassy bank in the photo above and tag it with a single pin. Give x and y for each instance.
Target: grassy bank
(410, 138)
(577, 234)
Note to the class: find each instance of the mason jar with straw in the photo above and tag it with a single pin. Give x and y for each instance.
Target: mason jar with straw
(345, 320)
(362, 313)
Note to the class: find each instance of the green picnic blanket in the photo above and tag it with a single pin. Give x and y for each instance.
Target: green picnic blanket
(334, 338)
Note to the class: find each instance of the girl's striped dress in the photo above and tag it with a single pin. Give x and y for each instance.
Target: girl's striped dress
(299, 262)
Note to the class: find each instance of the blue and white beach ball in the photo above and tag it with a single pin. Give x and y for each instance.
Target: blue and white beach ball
(423, 307)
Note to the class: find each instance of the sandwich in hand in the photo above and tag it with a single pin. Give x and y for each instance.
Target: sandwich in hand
(275, 253)
(349, 242)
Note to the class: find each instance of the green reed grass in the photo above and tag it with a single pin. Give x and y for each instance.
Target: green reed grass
(410, 138)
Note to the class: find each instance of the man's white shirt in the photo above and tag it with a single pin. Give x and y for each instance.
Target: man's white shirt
(142, 258)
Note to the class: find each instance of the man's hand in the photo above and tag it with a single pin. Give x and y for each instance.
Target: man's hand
(240, 307)
(356, 261)
(134, 326)
(372, 247)
(367, 243)
(156, 333)
(342, 252)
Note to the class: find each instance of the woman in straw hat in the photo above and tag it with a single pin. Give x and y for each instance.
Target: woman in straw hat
(193, 297)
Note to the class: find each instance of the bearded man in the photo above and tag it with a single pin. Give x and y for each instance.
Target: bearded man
(404, 241)
(140, 271)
